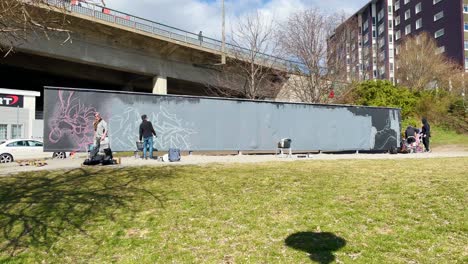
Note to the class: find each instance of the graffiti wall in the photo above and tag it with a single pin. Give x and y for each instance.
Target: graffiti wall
(200, 123)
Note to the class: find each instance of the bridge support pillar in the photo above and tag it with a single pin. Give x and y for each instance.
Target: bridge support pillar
(160, 85)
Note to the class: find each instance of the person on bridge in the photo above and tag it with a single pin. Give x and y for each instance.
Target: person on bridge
(200, 37)
(146, 133)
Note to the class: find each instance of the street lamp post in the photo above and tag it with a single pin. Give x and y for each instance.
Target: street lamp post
(223, 44)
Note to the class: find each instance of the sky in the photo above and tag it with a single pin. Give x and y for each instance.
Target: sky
(205, 15)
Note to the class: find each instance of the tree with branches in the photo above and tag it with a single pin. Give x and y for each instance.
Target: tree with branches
(420, 65)
(304, 39)
(21, 18)
(249, 72)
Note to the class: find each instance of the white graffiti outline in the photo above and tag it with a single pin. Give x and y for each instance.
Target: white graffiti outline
(170, 129)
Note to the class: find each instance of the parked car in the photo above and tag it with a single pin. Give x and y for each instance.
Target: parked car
(18, 149)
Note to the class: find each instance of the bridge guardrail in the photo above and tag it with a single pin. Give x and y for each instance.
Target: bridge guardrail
(155, 28)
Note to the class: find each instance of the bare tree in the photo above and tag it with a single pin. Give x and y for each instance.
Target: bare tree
(19, 18)
(250, 71)
(421, 65)
(304, 39)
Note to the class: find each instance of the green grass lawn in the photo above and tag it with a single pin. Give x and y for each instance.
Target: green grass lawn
(441, 137)
(385, 211)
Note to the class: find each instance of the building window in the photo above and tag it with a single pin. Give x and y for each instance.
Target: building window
(397, 35)
(418, 23)
(466, 64)
(439, 15)
(382, 70)
(417, 8)
(418, 40)
(366, 25)
(408, 29)
(381, 42)
(407, 14)
(390, 10)
(406, 1)
(366, 38)
(466, 26)
(397, 20)
(16, 131)
(435, 1)
(397, 5)
(440, 50)
(439, 33)
(380, 15)
(466, 44)
(3, 132)
(382, 56)
(381, 29)
(390, 38)
(390, 24)
(465, 8)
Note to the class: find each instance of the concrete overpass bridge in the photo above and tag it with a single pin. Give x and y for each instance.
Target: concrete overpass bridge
(110, 49)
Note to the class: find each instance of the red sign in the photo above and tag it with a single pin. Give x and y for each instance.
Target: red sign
(11, 100)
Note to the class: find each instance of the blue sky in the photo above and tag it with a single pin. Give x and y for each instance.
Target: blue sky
(205, 15)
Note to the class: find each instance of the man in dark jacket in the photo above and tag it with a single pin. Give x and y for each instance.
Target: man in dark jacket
(426, 131)
(410, 134)
(147, 132)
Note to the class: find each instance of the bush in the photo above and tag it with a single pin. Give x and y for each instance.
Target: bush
(384, 93)
(438, 106)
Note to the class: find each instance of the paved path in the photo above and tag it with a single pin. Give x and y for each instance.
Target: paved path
(199, 159)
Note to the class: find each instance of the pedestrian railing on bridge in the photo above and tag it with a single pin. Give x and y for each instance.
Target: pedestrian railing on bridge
(158, 29)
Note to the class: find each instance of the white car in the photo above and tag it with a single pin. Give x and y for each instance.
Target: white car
(18, 149)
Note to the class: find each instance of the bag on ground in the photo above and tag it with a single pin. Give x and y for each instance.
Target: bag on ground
(174, 154)
(91, 162)
(108, 158)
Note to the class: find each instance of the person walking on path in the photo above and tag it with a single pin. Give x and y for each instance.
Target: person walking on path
(100, 130)
(146, 133)
(426, 133)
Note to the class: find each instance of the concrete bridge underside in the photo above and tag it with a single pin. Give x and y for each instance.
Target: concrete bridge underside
(131, 60)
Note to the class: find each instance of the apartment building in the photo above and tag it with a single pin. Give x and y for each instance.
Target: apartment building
(368, 41)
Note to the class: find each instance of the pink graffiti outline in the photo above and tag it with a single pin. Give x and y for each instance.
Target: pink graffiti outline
(72, 119)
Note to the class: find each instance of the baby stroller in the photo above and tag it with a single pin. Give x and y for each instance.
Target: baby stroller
(412, 144)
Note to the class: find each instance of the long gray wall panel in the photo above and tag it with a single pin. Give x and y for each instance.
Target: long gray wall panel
(199, 123)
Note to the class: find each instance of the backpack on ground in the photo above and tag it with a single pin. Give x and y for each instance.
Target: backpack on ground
(393, 150)
(108, 158)
(174, 154)
(91, 162)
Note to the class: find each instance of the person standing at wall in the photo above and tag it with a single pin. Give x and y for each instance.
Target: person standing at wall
(426, 133)
(146, 133)
(100, 130)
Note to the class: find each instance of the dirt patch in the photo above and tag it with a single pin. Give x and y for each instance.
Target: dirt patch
(450, 148)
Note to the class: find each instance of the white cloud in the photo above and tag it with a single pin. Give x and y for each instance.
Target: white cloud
(205, 15)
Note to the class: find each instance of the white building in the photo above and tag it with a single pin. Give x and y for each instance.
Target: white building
(18, 114)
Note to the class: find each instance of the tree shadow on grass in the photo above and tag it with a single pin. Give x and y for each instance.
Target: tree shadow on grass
(319, 245)
(36, 209)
